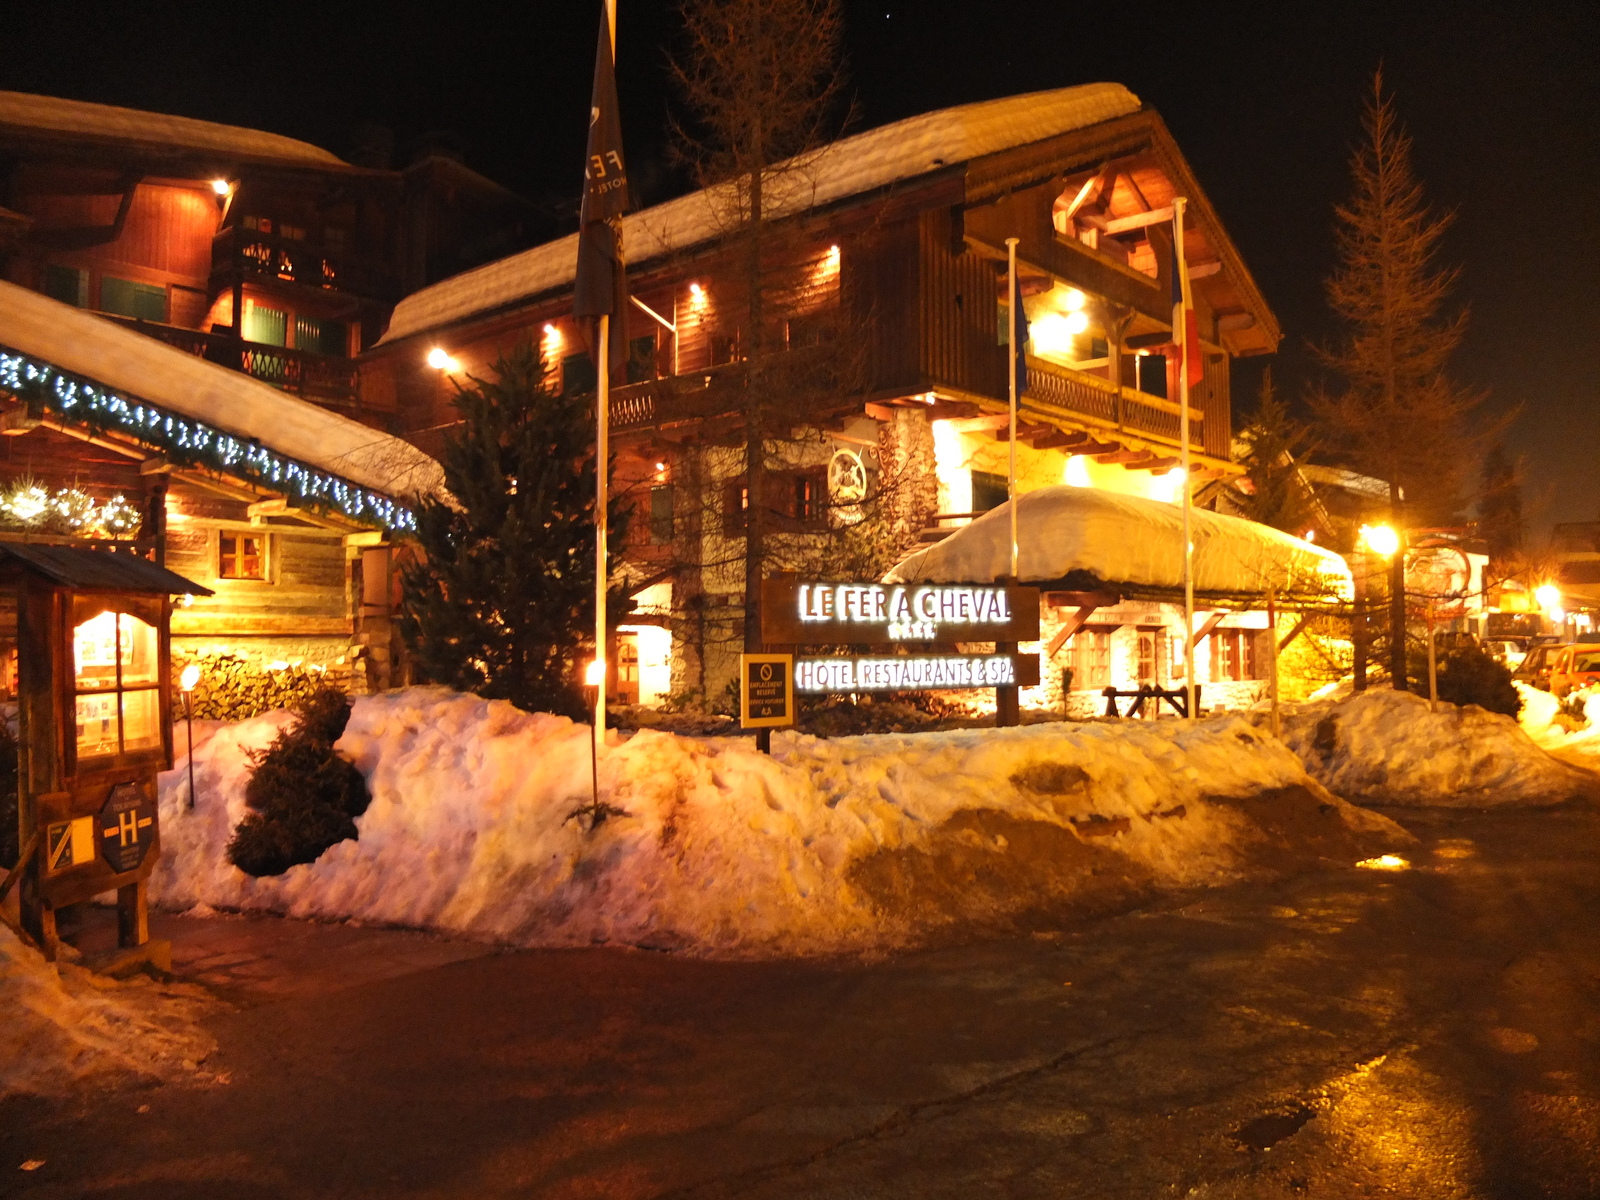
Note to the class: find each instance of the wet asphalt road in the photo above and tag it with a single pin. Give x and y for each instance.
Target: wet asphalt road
(1431, 1033)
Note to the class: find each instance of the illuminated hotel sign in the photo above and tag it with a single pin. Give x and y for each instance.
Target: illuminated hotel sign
(915, 672)
(813, 612)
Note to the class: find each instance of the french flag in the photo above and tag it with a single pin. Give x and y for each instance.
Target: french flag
(1185, 324)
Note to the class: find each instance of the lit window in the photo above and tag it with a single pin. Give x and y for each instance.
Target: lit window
(240, 556)
(116, 678)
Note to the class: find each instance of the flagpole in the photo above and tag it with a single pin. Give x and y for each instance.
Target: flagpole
(1180, 334)
(1015, 299)
(602, 454)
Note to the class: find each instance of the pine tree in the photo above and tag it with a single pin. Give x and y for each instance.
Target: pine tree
(500, 600)
(1275, 446)
(1395, 413)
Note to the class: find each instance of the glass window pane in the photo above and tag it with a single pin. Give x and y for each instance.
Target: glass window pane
(139, 658)
(141, 720)
(94, 648)
(126, 298)
(267, 325)
(97, 725)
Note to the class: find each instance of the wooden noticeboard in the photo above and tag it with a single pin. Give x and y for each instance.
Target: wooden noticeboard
(766, 691)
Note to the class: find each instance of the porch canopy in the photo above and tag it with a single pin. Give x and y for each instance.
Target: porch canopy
(1085, 540)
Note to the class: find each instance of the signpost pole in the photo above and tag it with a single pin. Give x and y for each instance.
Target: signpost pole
(1272, 649)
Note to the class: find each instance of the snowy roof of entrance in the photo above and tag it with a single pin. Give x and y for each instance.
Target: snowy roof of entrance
(105, 353)
(848, 167)
(26, 113)
(1083, 537)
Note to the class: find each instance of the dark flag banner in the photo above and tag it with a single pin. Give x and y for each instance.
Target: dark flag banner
(602, 285)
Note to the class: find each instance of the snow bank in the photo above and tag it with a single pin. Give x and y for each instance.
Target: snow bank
(1388, 747)
(849, 844)
(1580, 747)
(64, 1024)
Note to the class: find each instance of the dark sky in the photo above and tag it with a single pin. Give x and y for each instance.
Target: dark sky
(1503, 101)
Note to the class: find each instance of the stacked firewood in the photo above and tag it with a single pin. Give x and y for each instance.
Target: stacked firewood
(234, 688)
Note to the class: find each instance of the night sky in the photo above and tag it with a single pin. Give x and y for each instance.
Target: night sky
(1264, 99)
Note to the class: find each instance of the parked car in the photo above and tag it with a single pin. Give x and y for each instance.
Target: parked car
(1534, 670)
(1575, 666)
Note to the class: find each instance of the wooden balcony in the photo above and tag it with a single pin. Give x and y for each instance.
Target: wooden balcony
(321, 378)
(238, 253)
(1058, 390)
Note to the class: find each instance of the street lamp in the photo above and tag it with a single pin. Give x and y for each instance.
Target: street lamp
(1381, 540)
(1547, 595)
(187, 680)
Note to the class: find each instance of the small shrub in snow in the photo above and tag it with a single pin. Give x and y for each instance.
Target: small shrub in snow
(1469, 676)
(302, 796)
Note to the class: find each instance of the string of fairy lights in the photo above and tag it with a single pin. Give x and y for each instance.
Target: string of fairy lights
(188, 442)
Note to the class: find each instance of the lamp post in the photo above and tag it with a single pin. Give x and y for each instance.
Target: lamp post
(190, 677)
(1385, 542)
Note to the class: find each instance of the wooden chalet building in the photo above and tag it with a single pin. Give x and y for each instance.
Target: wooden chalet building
(896, 237)
(181, 313)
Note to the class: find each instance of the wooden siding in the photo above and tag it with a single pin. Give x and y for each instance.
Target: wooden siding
(958, 343)
(56, 460)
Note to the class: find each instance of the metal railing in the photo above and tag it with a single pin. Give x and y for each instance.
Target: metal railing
(254, 255)
(323, 378)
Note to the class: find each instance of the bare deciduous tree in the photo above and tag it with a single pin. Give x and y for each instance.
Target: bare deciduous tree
(761, 79)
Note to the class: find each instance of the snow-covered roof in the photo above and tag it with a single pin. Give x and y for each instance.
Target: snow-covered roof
(28, 113)
(848, 167)
(95, 349)
(1126, 541)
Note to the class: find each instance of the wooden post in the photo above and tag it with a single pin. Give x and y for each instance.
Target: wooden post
(1358, 626)
(133, 915)
(1433, 664)
(1007, 700)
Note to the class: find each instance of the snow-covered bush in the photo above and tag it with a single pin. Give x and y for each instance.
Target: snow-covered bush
(303, 797)
(1466, 675)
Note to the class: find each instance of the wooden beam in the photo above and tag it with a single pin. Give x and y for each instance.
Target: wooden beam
(1210, 626)
(1202, 270)
(155, 466)
(1025, 431)
(1161, 464)
(1061, 440)
(1069, 627)
(1121, 456)
(1299, 628)
(1139, 220)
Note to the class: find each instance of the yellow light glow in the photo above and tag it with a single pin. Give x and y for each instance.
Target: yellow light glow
(1380, 539)
(1051, 333)
(1076, 472)
(952, 467)
(552, 335)
(1077, 322)
(439, 359)
(1547, 595)
(221, 187)
(595, 673)
(697, 294)
(190, 677)
(1384, 862)
(1075, 300)
(1311, 535)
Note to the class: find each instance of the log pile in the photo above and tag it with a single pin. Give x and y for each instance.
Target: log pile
(234, 688)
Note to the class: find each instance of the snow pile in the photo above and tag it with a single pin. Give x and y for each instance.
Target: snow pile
(1580, 747)
(846, 844)
(64, 1024)
(1127, 540)
(1389, 747)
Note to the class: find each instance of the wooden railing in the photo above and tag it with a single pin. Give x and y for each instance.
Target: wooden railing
(1121, 408)
(323, 378)
(253, 255)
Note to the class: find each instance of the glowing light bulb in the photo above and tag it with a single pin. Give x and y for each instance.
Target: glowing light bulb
(221, 187)
(440, 360)
(1075, 300)
(1077, 322)
(595, 673)
(1380, 539)
(190, 677)
(1547, 595)
(697, 293)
